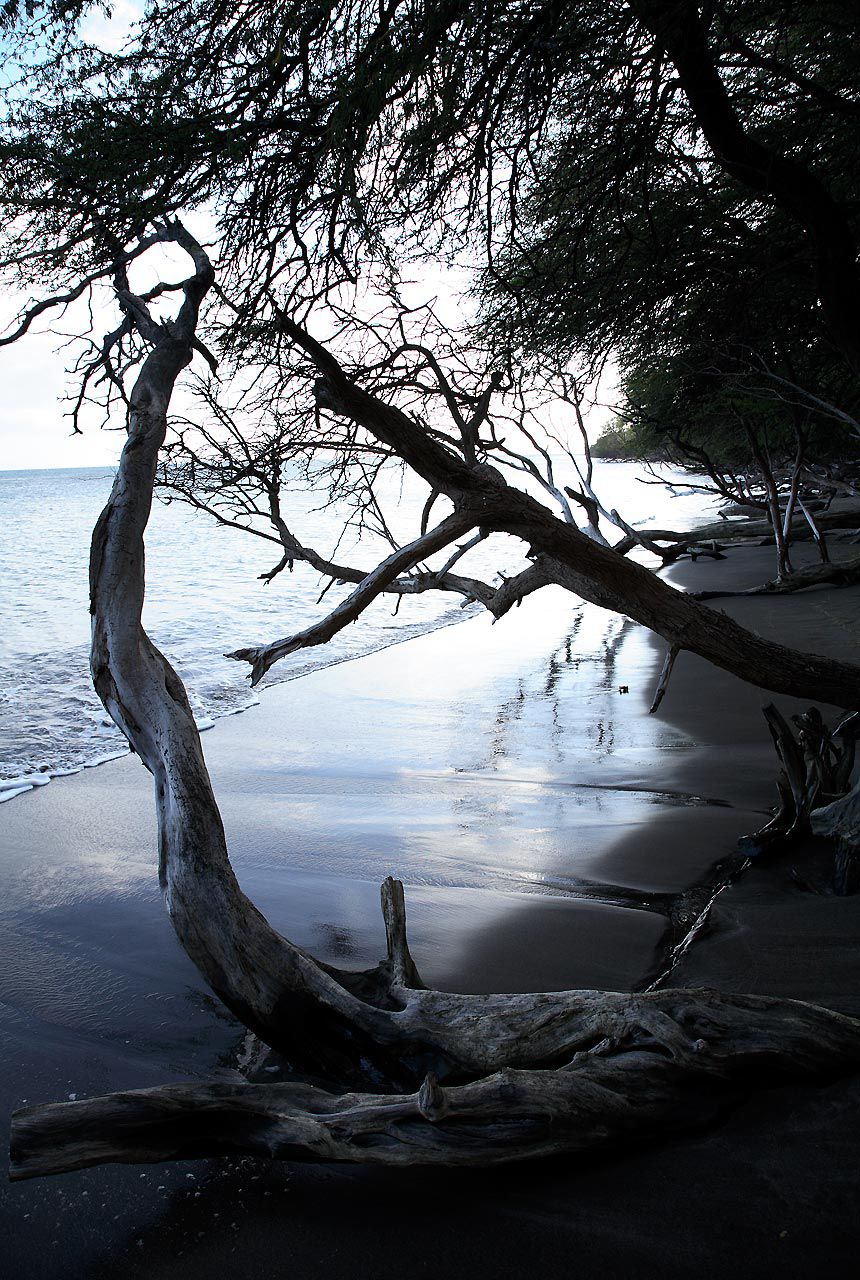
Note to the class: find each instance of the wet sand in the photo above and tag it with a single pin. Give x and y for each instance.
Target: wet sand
(766, 935)
(500, 773)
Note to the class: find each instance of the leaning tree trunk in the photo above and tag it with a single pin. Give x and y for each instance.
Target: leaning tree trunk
(341, 1025)
(524, 1075)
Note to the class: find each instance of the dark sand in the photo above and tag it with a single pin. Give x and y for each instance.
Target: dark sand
(494, 770)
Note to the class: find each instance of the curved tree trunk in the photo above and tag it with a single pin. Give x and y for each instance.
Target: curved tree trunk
(565, 1069)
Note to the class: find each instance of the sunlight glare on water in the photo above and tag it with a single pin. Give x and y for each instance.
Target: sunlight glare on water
(204, 598)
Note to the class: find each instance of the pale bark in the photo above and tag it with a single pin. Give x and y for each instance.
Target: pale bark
(524, 1075)
(618, 1067)
(840, 820)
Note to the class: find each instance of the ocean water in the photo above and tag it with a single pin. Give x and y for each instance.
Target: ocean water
(495, 770)
(205, 598)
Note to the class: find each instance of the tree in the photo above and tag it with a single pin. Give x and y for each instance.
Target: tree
(521, 1071)
(741, 435)
(689, 265)
(96, 170)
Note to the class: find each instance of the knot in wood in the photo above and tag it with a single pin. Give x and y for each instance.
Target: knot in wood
(490, 475)
(432, 1102)
(324, 397)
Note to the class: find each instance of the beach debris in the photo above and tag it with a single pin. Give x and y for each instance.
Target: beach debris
(817, 766)
(585, 1069)
(663, 680)
(840, 573)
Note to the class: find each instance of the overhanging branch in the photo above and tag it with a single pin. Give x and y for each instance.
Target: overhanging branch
(263, 657)
(594, 572)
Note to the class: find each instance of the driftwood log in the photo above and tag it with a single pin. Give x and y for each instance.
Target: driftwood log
(625, 1066)
(842, 573)
(814, 780)
(448, 1078)
(751, 532)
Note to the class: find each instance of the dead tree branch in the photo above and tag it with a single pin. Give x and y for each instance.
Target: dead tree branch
(469, 1079)
(596, 573)
(351, 609)
(620, 1076)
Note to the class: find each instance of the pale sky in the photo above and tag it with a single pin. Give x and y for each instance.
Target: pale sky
(36, 433)
(33, 430)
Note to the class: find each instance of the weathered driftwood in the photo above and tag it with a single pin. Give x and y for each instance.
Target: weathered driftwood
(368, 589)
(817, 764)
(843, 573)
(576, 1067)
(663, 679)
(740, 531)
(839, 820)
(630, 1065)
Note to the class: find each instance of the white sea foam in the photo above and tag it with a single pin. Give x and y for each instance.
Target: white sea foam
(204, 598)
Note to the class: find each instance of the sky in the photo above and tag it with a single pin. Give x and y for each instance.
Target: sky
(35, 429)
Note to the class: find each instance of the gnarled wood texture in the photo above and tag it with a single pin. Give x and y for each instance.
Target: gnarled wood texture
(631, 1065)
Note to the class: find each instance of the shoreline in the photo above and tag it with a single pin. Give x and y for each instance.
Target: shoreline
(418, 789)
(12, 787)
(445, 760)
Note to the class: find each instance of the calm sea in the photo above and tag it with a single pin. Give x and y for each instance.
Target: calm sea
(204, 597)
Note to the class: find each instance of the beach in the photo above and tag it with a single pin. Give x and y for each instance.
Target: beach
(550, 835)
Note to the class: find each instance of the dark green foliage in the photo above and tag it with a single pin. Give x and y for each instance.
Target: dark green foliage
(565, 150)
(621, 442)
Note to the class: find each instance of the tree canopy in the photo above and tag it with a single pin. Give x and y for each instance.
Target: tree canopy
(672, 189)
(603, 164)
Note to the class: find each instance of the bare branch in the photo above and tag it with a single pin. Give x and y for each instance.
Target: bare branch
(262, 658)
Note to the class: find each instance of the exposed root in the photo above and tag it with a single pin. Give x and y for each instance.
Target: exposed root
(630, 1065)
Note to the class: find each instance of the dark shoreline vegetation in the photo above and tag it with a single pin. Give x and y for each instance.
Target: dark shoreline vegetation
(263, 211)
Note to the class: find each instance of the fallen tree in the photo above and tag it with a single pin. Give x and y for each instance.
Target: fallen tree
(626, 1066)
(841, 573)
(456, 1079)
(756, 532)
(560, 553)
